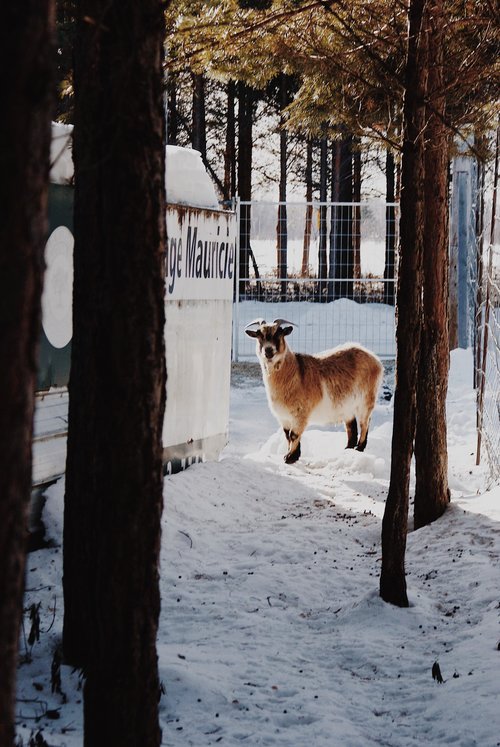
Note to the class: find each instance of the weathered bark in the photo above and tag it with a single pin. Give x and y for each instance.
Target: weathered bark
(26, 75)
(390, 229)
(306, 246)
(409, 308)
(117, 386)
(432, 494)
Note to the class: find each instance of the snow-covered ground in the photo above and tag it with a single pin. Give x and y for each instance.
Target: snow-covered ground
(272, 631)
(372, 255)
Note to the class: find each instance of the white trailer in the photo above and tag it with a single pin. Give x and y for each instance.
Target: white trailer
(200, 264)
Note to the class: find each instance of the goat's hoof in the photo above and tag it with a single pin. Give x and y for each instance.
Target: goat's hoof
(361, 447)
(292, 457)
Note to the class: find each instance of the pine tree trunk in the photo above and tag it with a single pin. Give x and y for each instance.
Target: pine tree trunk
(230, 149)
(344, 268)
(322, 256)
(199, 138)
(395, 521)
(117, 386)
(281, 228)
(334, 225)
(432, 494)
(245, 138)
(306, 246)
(172, 112)
(356, 223)
(481, 174)
(27, 54)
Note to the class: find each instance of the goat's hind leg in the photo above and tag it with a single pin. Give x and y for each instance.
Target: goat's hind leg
(363, 434)
(351, 428)
(364, 423)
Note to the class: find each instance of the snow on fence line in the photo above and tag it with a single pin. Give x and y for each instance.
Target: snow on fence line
(320, 325)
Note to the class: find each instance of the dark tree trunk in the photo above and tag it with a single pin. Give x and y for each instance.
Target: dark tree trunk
(480, 186)
(281, 228)
(356, 222)
(230, 149)
(395, 521)
(390, 229)
(432, 494)
(344, 268)
(172, 112)
(309, 209)
(26, 74)
(322, 256)
(334, 196)
(199, 134)
(246, 103)
(117, 386)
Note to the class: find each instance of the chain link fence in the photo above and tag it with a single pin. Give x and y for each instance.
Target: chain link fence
(328, 267)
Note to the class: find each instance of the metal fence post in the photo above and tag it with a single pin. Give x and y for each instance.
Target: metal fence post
(463, 252)
(236, 305)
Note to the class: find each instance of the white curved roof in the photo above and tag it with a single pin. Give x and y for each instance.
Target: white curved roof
(187, 181)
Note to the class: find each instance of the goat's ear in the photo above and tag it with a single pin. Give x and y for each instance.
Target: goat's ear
(286, 331)
(252, 332)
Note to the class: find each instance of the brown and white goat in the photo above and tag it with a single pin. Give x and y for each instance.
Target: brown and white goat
(338, 385)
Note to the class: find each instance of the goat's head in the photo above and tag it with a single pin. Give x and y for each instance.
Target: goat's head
(271, 344)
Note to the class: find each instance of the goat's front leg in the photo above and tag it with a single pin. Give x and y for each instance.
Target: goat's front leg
(293, 445)
(351, 428)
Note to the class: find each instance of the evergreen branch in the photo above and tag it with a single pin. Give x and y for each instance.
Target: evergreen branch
(354, 35)
(269, 20)
(380, 135)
